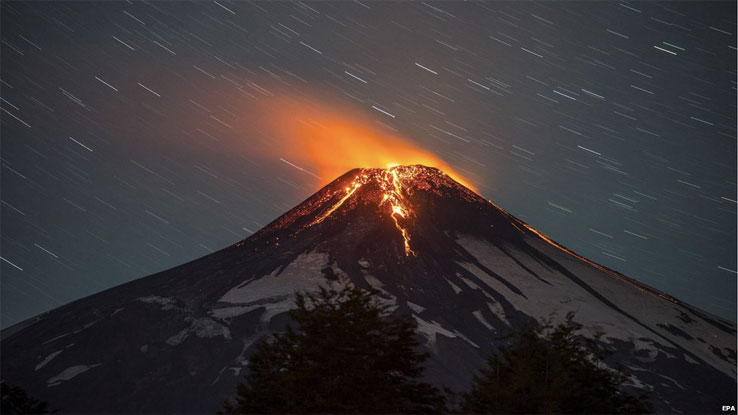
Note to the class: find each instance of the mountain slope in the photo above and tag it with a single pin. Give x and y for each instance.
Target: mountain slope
(179, 340)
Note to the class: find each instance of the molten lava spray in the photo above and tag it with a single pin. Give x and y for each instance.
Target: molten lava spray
(328, 140)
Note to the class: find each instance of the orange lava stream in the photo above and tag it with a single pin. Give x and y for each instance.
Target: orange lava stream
(355, 185)
(390, 182)
(394, 195)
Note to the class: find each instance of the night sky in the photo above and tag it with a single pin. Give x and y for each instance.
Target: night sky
(130, 145)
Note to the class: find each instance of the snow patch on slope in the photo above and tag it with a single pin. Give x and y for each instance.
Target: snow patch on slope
(227, 313)
(480, 317)
(386, 298)
(167, 303)
(48, 359)
(201, 327)
(466, 339)
(634, 382)
(601, 300)
(546, 300)
(417, 308)
(453, 286)
(275, 292)
(652, 310)
(497, 310)
(59, 337)
(374, 282)
(471, 283)
(431, 329)
(69, 373)
(302, 274)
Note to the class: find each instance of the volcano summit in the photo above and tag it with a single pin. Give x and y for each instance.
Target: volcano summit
(467, 271)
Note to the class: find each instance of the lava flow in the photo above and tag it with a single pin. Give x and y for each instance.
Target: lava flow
(391, 182)
(393, 194)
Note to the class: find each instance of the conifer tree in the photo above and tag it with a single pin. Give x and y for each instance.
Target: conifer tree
(550, 370)
(346, 354)
(14, 400)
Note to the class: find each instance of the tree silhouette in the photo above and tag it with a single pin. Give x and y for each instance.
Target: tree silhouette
(346, 355)
(14, 400)
(549, 370)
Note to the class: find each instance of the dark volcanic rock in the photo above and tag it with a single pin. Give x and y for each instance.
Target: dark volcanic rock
(179, 341)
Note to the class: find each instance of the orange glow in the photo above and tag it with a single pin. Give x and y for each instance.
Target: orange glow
(392, 184)
(329, 140)
(393, 192)
(349, 191)
(405, 237)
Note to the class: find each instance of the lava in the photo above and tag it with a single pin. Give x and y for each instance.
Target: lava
(392, 182)
(355, 185)
(394, 195)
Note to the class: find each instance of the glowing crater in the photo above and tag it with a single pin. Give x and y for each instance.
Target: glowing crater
(393, 184)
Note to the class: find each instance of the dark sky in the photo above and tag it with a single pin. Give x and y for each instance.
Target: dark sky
(127, 145)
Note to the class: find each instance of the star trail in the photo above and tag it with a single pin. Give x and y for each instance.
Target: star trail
(130, 143)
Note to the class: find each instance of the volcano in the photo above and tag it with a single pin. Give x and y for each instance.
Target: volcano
(466, 270)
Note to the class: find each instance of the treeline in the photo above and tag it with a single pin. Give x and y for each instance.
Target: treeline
(346, 354)
(14, 400)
